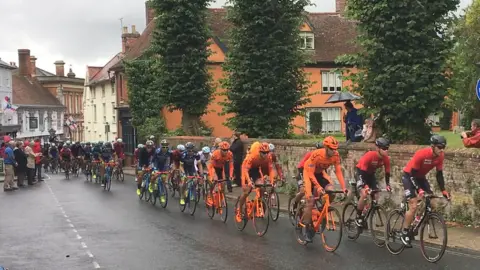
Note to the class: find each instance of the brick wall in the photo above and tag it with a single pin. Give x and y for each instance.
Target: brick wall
(461, 169)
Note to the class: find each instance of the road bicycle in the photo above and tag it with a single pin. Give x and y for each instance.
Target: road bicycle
(67, 169)
(108, 175)
(190, 193)
(215, 201)
(96, 170)
(424, 222)
(144, 193)
(118, 171)
(271, 196)
(160, 188)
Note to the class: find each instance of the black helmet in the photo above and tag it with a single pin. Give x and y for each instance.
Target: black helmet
(382, 143)
(438, 140)
(189, 145)
(108, 145)
(319, 145)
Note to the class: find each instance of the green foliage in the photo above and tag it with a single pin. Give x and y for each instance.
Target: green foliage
(143, 96)
(463, 64)
(180, 41)
(404, 47)
(152, 126)
(446, 118)
(315, 122)
(266, 85)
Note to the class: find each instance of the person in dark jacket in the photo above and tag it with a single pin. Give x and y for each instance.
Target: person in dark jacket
(21, 160)
(237, 150)
(353, 122)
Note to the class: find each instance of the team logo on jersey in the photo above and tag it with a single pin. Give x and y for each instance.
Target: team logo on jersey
(427, 162)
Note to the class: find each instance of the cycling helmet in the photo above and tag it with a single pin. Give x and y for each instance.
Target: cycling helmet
(88, 143)
(206, 149)
(52, 145)
(77, 142)
(68, 142)
(224, 146)
(330, 142)
(319, 145)
(149, 143)
(108, 145)
(151, 137)
(264, 148)
(438, 140)
(189, 145)
(119, 140)
(164, 142)
(181, 147)
(271, 147)
(382, 143)
(140, 145)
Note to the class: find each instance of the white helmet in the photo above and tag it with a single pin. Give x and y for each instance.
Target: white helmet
(206, 149)
(271, 147)
(119, 140)
(151, 137)
(53, 144)
(67, 142)
(149, 143)
(181, 147)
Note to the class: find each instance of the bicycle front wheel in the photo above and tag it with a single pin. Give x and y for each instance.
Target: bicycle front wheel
(377, 224)
(223, 209)
(274, 205)
(431, 226)
(163, 195)
(240, 222)
(393, 232)
(192, 200)
(332, 226)
(349, 213)
(108, 182)
(261, 217)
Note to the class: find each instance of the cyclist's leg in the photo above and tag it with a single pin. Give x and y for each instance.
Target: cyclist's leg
(411, 195)
(308, 186)
(254, 174)
(364, 179)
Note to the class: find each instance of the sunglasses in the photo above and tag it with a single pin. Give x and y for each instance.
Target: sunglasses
(439, 146)
(384, 148)
(164, 147)
(223, 150)
(264, 153)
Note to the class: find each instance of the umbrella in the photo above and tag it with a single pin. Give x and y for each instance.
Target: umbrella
(342, 97)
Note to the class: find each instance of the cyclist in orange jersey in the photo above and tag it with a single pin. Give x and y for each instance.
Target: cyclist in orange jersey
(314, 175)
(216, 167)
(258, 159)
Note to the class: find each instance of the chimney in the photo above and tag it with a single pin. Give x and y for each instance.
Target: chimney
(128, 39)
(60, 68)
(149, 12)
(70, 73)
(340, 6)
(24, 62)
(33, 66)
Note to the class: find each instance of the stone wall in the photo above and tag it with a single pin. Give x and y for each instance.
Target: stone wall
(461, 169)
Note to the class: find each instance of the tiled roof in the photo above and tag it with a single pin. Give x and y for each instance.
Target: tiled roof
(92, 71)
(5, 65)
(102, 74)
(334, 35)
(42, 72)
(28, 91)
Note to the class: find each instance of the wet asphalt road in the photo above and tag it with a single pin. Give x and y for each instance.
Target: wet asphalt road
(73, 224)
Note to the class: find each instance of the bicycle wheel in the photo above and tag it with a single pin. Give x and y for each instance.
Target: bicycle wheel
(349, 213)
(108, 182)
(433, 222)
(274, 205)
(182, 207)
(155, 193)
(240, 224)
(122, 176)
(291, 210)
(261, 214)
(376, 224)
(393, 232)
(198, 193)
(223, 209)
(299, 227)
(192, 199)
(163, 194)
(333, 224)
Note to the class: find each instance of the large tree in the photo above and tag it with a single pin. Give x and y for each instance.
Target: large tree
(404, 47)
(180, 41)
(464, 62)
(266, 86)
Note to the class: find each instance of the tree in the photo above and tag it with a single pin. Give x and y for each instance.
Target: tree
(463, 64)
(180, 41)
(152, 126)
(315, 121)
(404, 46)
(266, 86)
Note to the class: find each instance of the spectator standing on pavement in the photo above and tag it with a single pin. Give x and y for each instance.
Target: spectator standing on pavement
(237, 148)
(30, 161)
(37, 149)
(10, 163)
(2, 150)
(353, 121)
(21, 159)
(471, 139)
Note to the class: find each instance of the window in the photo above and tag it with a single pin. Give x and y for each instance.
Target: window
(331, 82)
(7, 82)
(94, 113)
(104, 110)
(103, 90)
(93, 92)
(331, 119)
(114, 113)
(307, 41)
(32, 122)
(113, 87)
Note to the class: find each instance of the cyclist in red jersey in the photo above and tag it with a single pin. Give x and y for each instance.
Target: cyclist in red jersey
(176, 156)
(365, 174)
(273, 158)
(414, 179)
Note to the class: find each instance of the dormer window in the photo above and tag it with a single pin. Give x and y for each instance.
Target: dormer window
(307, 41)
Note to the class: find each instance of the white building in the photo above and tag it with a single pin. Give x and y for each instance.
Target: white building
(39, 112)
(100, 101)
(8, 115)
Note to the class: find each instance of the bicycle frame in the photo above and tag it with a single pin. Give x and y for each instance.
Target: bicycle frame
(219, 194)
(257, 201)
(319, 216)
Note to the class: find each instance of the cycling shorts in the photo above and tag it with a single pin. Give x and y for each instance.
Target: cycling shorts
(364, 178)
(411, 190)
(309, 186)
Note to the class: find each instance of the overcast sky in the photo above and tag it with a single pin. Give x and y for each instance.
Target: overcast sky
(81, 33)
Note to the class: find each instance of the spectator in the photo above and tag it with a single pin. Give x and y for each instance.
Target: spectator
(30, 161)
(368, 131)
(10, 163)
(37, 149)
(237, 151)
(2, 150)
(215, 144)
(471, 139)
(21, 160)
(353, 121)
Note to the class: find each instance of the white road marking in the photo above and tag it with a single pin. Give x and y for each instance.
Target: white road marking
(68, 220)
(89, 254)
(83, 244)
(75, 231)
(96, 265)
(78, 236)
(71, 225)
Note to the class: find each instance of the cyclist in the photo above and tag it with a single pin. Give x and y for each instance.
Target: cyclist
(118, 148)
(365, 173)
(257, 160)
(316, 176)
(144, 161)
(66, 157)
(76, 149)
(273, 157)
(87, 155)
(136, 155)
(53, 154)
(189, 158)
(205, 156)
(221, 157)
(161, 160)
(414, 179)
(106, 156)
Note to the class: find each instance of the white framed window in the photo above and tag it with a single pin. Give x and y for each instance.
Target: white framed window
(331, 119)
(331, 82)
(307, 41)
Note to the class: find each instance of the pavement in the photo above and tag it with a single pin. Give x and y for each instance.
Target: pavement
(74, 224)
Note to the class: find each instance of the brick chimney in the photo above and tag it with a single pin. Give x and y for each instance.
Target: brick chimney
(60, 68)
(149, 12)
(24, 62)
(33, 66)
(128, 39)
(340, 6)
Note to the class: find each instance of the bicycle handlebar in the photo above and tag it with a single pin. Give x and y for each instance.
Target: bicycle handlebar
(263, 185)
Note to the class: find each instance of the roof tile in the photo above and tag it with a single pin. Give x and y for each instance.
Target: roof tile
(102, 72)
(28, 91)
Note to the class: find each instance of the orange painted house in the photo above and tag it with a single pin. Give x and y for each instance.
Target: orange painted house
(325, 36)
